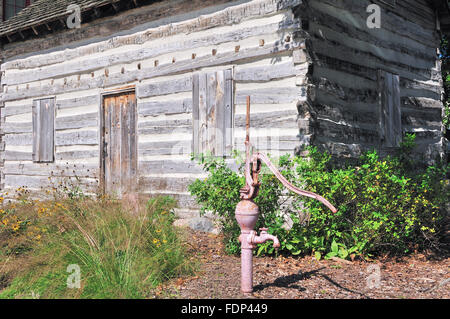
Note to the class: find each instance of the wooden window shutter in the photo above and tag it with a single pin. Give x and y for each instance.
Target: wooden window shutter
(390, 109)
(43, 130)
(213, 104)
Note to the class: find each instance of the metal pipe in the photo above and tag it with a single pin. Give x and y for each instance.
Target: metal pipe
(247, 212)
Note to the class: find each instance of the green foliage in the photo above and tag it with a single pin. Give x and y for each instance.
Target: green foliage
(383, 206)
(120, 255)
(219, 193)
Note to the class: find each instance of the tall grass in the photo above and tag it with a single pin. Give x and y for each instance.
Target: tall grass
(120, 255)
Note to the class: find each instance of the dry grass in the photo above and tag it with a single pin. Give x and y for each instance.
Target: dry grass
(120, 254)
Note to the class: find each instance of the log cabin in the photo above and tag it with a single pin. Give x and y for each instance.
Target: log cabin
(120, 94)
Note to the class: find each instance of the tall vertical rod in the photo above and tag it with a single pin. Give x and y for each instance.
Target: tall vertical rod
(247, 130)
(247, 140)
(247, 124)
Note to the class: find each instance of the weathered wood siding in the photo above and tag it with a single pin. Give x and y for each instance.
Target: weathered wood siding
(257, 40)
(344, 100)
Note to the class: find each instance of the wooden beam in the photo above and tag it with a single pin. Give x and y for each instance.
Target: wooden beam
(35, 31)
(116, 24)
(115, 6)
(96, 12)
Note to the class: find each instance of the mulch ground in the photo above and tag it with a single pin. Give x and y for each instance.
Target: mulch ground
(306, 278)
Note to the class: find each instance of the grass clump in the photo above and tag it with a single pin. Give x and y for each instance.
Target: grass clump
(45, 246)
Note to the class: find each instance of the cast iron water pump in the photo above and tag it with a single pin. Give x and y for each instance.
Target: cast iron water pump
(247, 212)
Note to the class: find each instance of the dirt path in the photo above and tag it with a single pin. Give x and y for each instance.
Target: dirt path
(292, 278)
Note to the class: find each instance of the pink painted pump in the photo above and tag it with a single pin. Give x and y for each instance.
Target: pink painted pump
(247, 212)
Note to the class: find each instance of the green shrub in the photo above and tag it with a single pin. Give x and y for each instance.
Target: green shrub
(383, 204)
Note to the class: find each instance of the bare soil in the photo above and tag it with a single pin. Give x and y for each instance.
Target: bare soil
(306, 278)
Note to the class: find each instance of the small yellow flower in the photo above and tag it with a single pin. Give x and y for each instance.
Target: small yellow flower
(158, 230)
(164, 241)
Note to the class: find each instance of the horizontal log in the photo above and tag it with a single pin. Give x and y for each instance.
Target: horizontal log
(44, 183)
(432, 91)
(165, 148)
(62, 123)
(275, 144)
(12, 127)
(77, 102)
(425, 115)
(75, 155)
(77, 121)
(16, 156)
(21, 139)
(282, 95)
(281, 119)
(165, 130)
(350, 133)
(164, 123)
(351, 94)
(330, 61)
(265, 73)
(176, 185)
(59, 170)
(430, 136)
(422, 103)
(169, 167)
(76, 138)
(165, 87)
(353, 112)
(16, 110)
(155, 108)
(340, 149)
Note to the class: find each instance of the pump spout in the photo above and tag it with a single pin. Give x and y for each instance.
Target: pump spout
(263, 237)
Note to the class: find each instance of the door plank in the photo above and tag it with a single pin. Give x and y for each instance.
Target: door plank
(120, 135)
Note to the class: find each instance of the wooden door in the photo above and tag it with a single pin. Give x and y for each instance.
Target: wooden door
(119, 155)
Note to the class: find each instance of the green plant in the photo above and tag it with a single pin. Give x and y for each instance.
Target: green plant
(219, 193)
(383, 205)
(120, 255)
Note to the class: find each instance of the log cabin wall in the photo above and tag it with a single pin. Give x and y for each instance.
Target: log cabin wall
(259, 41)
(349, 59)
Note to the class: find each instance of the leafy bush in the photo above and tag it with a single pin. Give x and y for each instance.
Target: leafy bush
(120, 255)
(383, 204)
(445, 59)
(219, 193)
